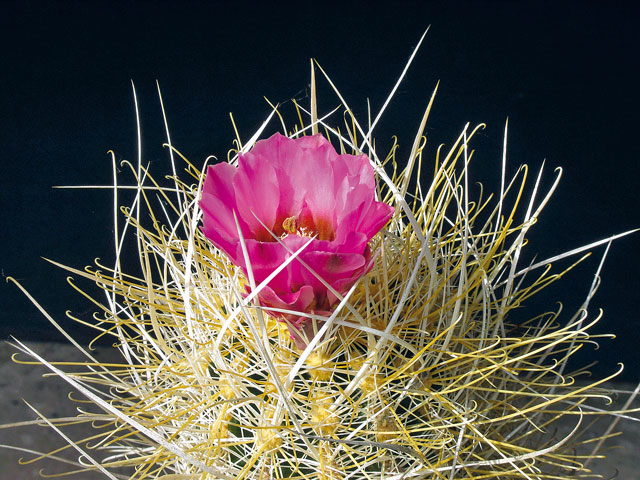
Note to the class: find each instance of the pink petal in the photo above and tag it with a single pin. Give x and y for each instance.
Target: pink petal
(319, 188)
(287, 159)
(218, 199)
(377, 217)
(257, 195)
(218, 204)
(297, 301)
(358, 201)
(355, 168)
(353, 242)
(265, 257)
(311, 142)
(331, 267)
(268, 256)
(342, 287)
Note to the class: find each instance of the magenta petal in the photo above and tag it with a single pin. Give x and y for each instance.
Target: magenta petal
(350, 218)
(226, 244)
(332, 263)
(318, 184)
(377, 217)
(312, 142)
(218, 217)
(218, 182)
(286, 157)
(218, 199)
(356, 169)
(265, 257)
(268, 256)
(352, 242)
(218, 205)
(298, 301)
(257, 195)
(342, 287)
(330, 267)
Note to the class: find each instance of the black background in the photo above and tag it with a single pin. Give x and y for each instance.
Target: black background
(563, 72)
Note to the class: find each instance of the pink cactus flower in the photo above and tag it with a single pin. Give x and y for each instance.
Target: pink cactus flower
(297, 189)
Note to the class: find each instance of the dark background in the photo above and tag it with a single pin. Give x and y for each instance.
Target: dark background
(563, 72)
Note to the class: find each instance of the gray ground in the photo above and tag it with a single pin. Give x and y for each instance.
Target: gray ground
(49, 396)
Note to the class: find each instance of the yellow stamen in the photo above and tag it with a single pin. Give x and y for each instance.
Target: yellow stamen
(290, 225)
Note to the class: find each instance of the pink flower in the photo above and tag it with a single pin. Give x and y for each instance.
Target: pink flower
(297, 188)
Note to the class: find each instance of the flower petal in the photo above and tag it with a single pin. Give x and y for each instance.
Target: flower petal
(331, 267)
(298, 301)
(218, 204)
(376, 217)
(319, 189)
(257, 195)
(287, 159)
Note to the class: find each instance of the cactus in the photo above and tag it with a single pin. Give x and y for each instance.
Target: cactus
(422, 370)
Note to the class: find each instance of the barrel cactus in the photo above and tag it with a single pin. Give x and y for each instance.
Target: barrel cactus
(353, 319)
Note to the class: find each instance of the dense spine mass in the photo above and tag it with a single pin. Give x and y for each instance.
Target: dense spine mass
(422, 369)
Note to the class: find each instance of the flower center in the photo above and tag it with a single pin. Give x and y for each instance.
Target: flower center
(291, 225)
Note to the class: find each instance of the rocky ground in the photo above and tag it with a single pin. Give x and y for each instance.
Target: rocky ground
(20, 383)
